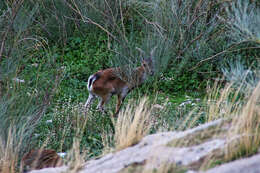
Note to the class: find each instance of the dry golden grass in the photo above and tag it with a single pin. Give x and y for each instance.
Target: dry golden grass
(222, 102)
(76, 158)
(245, 133)
(132, 124)
(108, 142)
(242, 110)
(9, 151)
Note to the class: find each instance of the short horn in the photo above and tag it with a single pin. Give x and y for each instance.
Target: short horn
(152, 52)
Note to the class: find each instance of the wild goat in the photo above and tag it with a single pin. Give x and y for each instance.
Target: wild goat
(108, 82)
(40, 158)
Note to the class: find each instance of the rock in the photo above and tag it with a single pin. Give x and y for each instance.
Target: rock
(171, 152)
(153, 151)
(51, 170)
(246, 165)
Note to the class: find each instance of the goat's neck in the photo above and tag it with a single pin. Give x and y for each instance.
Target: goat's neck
(135, 79)
(139, 76)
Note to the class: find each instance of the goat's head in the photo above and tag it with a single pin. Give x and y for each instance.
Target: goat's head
(148, 62)
(148, 65)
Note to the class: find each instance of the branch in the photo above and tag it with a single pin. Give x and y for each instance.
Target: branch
(225, 51)
(86, 19)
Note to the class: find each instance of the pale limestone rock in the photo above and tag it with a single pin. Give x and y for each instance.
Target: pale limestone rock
(246, 165)
(152, 149)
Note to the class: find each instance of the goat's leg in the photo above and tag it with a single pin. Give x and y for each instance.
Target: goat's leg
(120, 99)
(118, 105)
(89, 101)
(103, 101)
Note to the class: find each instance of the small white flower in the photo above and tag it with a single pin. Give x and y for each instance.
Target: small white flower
(182, 104)
(158, 106)
(35, 65)
(188, 102)
(49, 121)
(62, 154)
(18, 80)
(185, 103)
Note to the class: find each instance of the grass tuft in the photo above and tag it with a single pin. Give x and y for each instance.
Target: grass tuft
(241, 112)
(132, 124)
(9, 151)
(246, 128)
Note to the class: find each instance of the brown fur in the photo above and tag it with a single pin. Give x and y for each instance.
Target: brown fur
(109, 82)
(39, 159)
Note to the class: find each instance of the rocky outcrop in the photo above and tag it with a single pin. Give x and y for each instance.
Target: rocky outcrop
(155, 150)
(186, 150)
(246, 165)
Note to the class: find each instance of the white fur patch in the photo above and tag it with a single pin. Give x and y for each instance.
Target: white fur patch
(91, 80)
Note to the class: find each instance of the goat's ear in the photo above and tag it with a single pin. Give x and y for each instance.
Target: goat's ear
(142, 53)
(142, 59)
